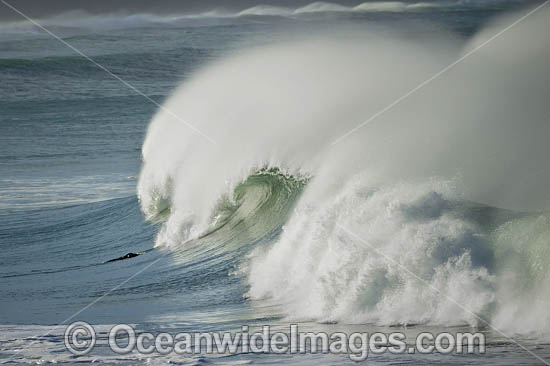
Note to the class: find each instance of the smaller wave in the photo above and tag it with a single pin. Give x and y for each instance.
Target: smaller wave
(266, 10)
(322, 7)
(81, 19)
(393, 6)
(328, 7)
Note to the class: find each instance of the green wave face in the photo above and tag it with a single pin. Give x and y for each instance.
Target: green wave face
(521, 246)
(260, 205)
(254, 213)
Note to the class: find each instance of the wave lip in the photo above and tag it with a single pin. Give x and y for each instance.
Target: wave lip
(392, 6)
(289, 101)
(322, 7)
(80, 19)
(265, 10)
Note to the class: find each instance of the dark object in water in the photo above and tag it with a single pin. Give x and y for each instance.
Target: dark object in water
(129, 255)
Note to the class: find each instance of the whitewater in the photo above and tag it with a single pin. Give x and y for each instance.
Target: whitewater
(405, 183)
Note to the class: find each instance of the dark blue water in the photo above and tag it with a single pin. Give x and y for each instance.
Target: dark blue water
(70, 155)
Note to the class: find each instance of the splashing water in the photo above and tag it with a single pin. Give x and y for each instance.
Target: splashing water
(480, 128)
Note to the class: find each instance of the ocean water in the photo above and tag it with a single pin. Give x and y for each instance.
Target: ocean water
(259, 212)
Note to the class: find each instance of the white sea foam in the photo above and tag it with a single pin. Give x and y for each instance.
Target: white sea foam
(332, 264)
(485, 121)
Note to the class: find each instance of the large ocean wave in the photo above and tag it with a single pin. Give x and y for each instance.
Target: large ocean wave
(404, 184)
(408, 254)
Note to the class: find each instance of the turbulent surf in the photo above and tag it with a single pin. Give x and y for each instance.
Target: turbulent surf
(380, 220)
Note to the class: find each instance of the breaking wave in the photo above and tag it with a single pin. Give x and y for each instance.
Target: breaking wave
(421, 184)
(120, 20)
(408, 254)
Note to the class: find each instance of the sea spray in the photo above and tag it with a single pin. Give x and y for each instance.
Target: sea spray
(287, 105)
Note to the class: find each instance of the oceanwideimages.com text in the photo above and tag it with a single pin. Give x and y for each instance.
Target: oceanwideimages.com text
(80, 339)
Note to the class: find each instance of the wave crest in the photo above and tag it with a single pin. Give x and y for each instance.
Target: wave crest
(284, 105)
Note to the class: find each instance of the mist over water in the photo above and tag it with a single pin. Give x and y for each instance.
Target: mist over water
(402, 182)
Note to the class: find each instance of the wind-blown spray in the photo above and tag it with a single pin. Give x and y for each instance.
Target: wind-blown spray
(480, 129)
